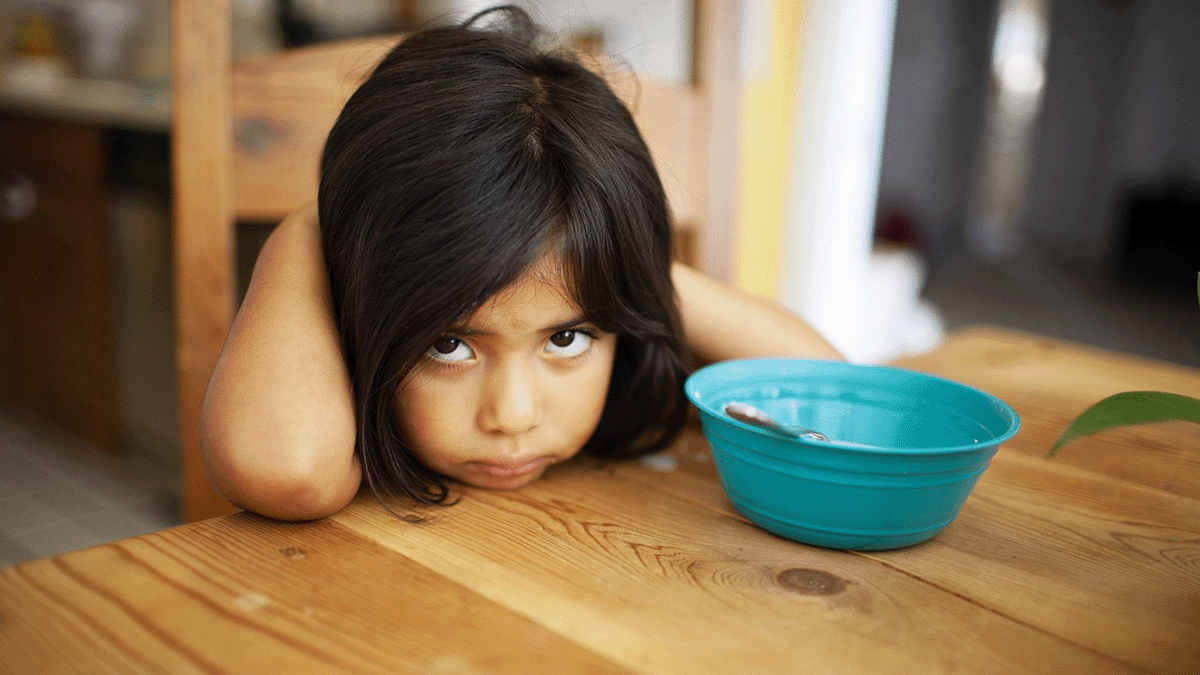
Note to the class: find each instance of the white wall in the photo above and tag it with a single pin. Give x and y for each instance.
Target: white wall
(654, 36)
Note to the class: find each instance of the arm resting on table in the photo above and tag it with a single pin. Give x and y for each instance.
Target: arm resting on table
(723, 323)
(277, 429)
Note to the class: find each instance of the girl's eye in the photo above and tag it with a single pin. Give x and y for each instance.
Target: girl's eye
(567, 343)
(450, 350)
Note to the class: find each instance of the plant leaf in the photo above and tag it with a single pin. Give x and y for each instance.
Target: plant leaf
(1130, 407)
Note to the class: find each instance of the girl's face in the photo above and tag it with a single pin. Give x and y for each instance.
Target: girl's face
(518, 387)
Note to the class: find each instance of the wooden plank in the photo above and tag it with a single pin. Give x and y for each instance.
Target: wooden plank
(717, 30)
(1048, 382)
(202, 198)
(667, 116)
(284, 105)
(1104, 564)
(651, 554)
(691, 128)
(249, 595)
(286, 102)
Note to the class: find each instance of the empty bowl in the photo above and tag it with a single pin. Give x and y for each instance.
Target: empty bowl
(904, 451)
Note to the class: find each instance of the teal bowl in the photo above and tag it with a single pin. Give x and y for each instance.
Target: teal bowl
(904, 451)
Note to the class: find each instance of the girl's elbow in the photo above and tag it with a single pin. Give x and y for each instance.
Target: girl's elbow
(282, 494)
(296, 490)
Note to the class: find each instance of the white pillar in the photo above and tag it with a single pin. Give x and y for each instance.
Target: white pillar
(837, 143)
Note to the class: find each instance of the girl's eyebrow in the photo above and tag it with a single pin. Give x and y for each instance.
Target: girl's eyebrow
(465, 330)
(567, 325)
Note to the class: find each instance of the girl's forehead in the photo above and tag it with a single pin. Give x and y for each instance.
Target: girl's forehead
(539, 298)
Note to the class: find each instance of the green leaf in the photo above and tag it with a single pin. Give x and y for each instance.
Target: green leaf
(1130, 407)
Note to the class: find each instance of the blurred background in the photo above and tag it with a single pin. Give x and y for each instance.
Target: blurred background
(904, 168)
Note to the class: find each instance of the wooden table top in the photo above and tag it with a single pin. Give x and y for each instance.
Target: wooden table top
(1086, 563)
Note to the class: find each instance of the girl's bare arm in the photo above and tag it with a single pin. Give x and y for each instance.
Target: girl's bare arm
(277, 429)
(723, 323)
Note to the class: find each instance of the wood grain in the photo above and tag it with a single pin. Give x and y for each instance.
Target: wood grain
(717, 74)
(1108, 566)
(247, 595)
(1048, 382)
(668, 116)
(667, 558)
(284, 105)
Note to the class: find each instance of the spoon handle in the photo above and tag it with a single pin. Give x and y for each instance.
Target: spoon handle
(751, 415)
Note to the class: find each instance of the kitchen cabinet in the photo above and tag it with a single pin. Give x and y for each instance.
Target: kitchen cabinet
(57, 338)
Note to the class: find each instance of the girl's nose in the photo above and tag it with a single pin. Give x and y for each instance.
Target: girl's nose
(510, 404)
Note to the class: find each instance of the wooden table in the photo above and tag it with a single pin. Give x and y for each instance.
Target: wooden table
(1087, 563)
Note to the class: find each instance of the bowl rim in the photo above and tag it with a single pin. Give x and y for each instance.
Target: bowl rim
(706, 371)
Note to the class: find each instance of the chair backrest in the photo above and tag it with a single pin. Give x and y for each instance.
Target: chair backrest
(284, 104)
(247, 137)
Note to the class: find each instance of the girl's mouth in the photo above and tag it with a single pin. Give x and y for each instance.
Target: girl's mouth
(509, 469)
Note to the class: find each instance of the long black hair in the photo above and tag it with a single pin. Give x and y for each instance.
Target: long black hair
(469, 152)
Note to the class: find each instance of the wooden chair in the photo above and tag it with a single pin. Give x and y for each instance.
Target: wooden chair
(246, 139)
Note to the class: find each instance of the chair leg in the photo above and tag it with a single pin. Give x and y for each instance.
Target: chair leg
(202, 171)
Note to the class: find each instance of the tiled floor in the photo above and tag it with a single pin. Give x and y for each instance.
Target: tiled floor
(58, 495)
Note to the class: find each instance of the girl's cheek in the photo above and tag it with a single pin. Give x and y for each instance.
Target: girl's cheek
(432, 409)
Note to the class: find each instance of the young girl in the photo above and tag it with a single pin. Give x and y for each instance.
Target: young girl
(484, 289)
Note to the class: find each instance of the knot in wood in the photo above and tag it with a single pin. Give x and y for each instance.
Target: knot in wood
(292, 552)
(811, 582)
(257, 135)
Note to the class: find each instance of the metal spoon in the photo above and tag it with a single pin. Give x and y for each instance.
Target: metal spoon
(751, 415)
